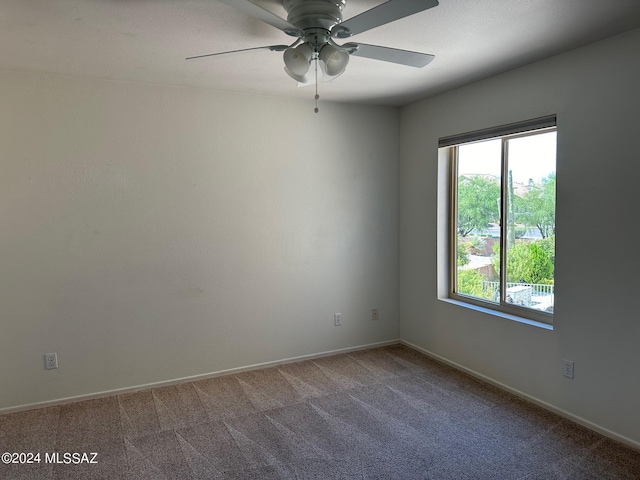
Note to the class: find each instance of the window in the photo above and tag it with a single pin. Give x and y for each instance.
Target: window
(502, 218)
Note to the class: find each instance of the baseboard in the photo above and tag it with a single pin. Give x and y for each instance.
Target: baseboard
(563, 413)
(137, 388)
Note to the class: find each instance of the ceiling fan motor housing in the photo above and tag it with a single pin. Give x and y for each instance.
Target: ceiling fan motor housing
(314, 13)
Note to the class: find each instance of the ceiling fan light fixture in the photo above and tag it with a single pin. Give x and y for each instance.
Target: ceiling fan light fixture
(316, 22)
(298, 59)
(333, 61)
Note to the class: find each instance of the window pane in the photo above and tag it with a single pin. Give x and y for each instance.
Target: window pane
(477, 222)
(531, 207)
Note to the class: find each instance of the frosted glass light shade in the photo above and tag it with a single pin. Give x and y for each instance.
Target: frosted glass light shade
(298, 59)
(333, 61)
(298, 78)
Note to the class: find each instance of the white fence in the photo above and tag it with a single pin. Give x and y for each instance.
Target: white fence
(537, 289)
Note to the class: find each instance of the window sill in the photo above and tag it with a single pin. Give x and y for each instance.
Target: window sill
(497, 313)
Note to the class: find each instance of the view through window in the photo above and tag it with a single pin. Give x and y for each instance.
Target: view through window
(503, 213)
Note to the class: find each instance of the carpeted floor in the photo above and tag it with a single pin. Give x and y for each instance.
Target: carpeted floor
(385, 413)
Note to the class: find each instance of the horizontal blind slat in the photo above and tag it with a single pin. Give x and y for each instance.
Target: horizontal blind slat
(500, 131)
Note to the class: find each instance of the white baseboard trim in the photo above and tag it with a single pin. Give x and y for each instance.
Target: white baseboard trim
(563, 413)
(204, 376)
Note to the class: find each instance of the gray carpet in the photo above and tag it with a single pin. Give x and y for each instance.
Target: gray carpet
(385, 413)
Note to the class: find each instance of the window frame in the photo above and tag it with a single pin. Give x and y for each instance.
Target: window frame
(504, 133)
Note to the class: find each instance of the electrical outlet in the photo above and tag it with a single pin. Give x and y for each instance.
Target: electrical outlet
(337, 319)
(567, 368)
(374, 314)
(50, 361)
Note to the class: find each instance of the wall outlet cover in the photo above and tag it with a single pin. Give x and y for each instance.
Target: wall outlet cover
(50, 361)
(567, 368)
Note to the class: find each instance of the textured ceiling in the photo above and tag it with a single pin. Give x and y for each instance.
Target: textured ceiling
(148, 40)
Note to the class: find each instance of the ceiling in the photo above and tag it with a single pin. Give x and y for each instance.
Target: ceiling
(148, 40)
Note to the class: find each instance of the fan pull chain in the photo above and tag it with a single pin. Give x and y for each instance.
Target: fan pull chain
(317, 96)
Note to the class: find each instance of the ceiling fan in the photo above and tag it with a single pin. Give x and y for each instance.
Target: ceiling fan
(315, 24)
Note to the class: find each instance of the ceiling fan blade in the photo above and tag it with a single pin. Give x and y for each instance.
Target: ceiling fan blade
(387, 12)
(256, 11)
(386, 54)
(273, 48)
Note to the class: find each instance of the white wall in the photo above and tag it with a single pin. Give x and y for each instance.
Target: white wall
(594, 92)
(151, 233)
